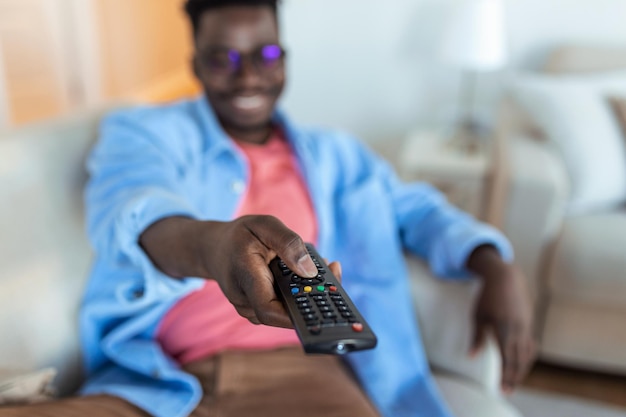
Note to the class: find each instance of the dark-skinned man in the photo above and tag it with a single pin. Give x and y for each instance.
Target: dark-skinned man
(189, 202)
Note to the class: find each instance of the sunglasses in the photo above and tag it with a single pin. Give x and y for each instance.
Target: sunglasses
(224, 61)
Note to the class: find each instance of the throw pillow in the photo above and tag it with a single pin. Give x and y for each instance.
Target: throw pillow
(26, 387)
(573, 113)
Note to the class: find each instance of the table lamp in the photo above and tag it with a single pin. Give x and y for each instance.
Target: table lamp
(475, 41)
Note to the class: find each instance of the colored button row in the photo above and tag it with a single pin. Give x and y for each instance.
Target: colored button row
(307, 289)
(295, 289)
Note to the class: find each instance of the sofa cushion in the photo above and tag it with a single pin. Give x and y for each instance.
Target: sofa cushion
(576, 335)
(589, 262)
(44, 252)
(467, 399)
(573, 113)
(26, 387)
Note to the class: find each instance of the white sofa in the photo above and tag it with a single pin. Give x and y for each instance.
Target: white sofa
(566, 216)
(45, 259)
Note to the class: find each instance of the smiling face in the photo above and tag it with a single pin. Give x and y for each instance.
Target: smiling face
(239, 62)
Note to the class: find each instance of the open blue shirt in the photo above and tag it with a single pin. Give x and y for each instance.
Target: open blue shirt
(155, 162)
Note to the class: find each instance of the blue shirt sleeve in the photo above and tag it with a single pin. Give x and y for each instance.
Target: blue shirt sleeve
(133, 183)
(429, 226)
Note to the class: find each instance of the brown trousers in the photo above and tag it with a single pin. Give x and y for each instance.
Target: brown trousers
(278, 383)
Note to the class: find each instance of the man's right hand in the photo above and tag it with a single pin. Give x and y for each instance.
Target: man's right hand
(236, 254)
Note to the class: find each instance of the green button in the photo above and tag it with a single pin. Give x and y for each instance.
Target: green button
(321, 288)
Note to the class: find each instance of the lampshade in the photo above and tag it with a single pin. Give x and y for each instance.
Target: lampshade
(474, 36)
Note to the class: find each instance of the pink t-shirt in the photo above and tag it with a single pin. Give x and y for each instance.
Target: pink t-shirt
(205, 322)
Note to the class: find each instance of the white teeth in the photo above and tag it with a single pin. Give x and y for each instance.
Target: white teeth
(248, 103)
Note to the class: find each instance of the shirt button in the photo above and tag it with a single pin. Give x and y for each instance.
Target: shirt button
(238, 186)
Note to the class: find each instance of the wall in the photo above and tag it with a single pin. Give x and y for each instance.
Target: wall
(371, 67)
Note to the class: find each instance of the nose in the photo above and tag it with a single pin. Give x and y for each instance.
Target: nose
(247, 75)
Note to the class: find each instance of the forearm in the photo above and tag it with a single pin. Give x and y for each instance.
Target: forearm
(173, 245)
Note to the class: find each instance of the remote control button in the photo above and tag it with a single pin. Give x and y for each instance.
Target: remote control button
(295, 291)
(343, 308)
(321, 288)
(321, 303)
(329, 315)
(310, 316)
(332, 288)
(308, 281)
(317, 297)
(317, 329)
(325, 309)
(301, 299)
(357, 327)
(340, 303)
(296, 279)
(308, 289)
(347, 314)
(307, 310)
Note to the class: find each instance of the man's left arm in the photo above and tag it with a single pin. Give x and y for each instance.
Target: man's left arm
(456, 245)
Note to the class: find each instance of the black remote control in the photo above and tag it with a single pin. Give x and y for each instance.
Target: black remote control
(323, 315)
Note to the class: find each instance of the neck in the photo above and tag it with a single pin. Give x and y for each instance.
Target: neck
(257, 136)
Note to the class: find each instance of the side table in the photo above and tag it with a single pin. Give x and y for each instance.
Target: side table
(463, 176)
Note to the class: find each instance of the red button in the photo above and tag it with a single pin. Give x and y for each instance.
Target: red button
(333, 288)
(357, 327)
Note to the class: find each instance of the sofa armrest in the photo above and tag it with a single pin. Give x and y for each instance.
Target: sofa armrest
(444, 312)
(535, 202)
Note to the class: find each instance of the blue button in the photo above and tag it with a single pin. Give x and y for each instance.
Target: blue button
(295, 290)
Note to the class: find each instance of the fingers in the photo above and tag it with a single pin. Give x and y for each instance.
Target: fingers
(284, 242)
(517, 355)
(335, 268)
(259, 302)
(248, 281)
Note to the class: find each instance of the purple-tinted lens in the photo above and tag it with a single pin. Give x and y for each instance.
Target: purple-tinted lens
(271, 54)
(234, 57)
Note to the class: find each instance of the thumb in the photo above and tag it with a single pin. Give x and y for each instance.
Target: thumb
(335, 268)
(287, 244)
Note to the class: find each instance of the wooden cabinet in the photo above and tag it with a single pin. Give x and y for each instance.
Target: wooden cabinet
(31, 39)
(61, 55)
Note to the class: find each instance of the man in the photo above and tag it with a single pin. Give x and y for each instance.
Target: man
(216, 188)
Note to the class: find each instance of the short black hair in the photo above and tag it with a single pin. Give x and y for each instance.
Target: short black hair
(195, 8)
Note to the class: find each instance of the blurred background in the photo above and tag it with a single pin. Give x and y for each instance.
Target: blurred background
(379, 61)
(515, 109)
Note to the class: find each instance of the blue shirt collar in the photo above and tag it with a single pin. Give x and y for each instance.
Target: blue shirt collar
(217, 140)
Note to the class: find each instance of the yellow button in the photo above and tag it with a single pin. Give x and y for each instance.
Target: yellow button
(308, 289)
